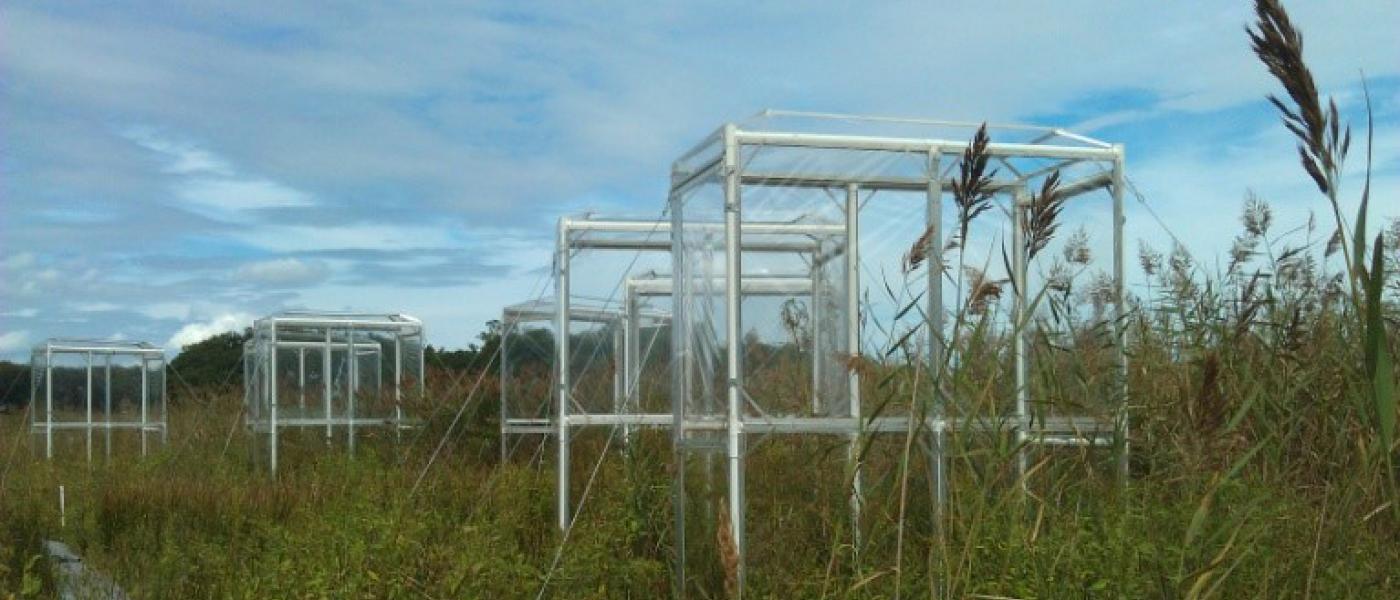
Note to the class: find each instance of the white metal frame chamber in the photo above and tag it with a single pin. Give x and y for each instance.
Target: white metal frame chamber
(97, 385)
(329, 371)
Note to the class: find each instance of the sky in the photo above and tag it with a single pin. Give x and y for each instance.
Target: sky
(169, 171)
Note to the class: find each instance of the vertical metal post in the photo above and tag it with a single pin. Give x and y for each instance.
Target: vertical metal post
(107, 405)
(164, 407)
(680, 378)
(48, 402)
(398, 387)
(814, 317)
(351, 355)
(561, 368)
(1120, 331)
(272, 398)
(145, 398)
(89, 406)
(933, 220)
(734, 349)
(327, 380)
(506, 326)
(1018, 275)
(853, 349)
(33, 393)
(632, 352)
(301, 379)
(620, 374)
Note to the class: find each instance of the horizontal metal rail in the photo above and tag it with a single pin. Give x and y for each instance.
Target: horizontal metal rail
(41, 427)
(896, 144)
(262, 425)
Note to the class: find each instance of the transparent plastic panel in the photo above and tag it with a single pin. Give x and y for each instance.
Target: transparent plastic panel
(828, 308)
(371, 400)
(1071, 342)
(38, 385)
(699, 334)
(156, 404)
(411, 365)
(529, 369)
(593, 345)
(652, 358)
(126, 389)
(70, 395)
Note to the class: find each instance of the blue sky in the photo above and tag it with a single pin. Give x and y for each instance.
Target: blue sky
(172, 170)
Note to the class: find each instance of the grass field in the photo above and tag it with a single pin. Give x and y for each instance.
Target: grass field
(1255, 473)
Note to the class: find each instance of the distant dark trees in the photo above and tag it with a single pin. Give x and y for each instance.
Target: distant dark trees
(210, 364)
(14, 384)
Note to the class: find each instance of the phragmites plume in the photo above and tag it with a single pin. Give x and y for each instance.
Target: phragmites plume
(1103, 291)
(1181, 266)
(983, 291)
(1242, 250)
(1076, 248)
(1149, 258)
(972, 193)
(1257, 216)
(1059, 279)
(1322, 144)
(1042, 215)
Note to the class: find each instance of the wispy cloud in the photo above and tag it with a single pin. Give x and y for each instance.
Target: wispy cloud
(12, 342)
(284, 272)
(206, 182)
(195, 332)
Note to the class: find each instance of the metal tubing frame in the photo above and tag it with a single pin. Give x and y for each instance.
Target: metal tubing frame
(933, 221)
(733, 274)
(566, 242)
(561, 362)
(89, 406)
(269, 338)
(733, 180)
(351, 386)
(107, 405)
(146, 354)
(1019, 200)
(853, 348)
(506, 328)
(272, 400)
(145, 393)
(1120, 330)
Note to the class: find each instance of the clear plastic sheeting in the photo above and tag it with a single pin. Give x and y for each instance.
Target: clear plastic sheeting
(335, 375)
(894, 259)
(103, 390)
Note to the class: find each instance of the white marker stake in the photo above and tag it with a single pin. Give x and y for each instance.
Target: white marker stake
(62, 510)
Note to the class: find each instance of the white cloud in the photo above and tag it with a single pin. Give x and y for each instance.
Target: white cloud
(182, 158)
(95, 306)
(167, 310)
(23, 313)
(225, 195)
(196, 332)
(14, 341)
(209, 184)
(284, 271)
(301, 238)
(18, 261)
